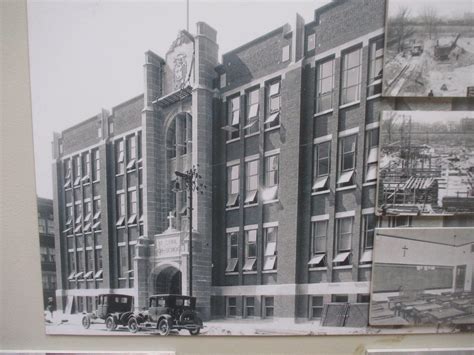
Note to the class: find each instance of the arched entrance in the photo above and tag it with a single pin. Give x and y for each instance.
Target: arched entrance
(168, 280)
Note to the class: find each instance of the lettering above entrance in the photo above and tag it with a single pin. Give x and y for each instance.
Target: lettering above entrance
(168, 247)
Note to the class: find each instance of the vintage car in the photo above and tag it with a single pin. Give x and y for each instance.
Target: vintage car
(169, 312)
(114, 309)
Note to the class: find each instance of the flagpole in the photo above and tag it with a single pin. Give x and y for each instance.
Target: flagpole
(187, 15)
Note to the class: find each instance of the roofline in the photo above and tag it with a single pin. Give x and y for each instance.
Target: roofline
(95, 117)
(320, 10)
(258, 39)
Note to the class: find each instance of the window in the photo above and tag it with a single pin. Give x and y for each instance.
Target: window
(131, 152)
(285, 53)
(86, 164)
(96, 165)
(351, 76)
(347, 160)
(249, 307)
(42, 225)
(375, 67)
(67, 173)
(271, 178)
(71, 265)
(251, 117)
(231, 306)
(233, 118)
(322, 152)
(132, 207)
(325, 85)
(272, 118)
(50, 226)
(270, 251)
(111, 127)
(223, 81)
(400, 221)
(369, 230)
(343, 240)
(251, 182)
(319, 231)
(371, 154)
(363, 298)
(268, 307)
(316, 307)
(233, 185)
(120, 209)
(119, 157)
(340, 298)
(311, 42)
(250, 250)
(122, 261)
(232, 251)
(98, 260)
(77, 170)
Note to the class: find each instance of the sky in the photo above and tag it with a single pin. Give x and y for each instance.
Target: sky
(445, 8)
(87, 55)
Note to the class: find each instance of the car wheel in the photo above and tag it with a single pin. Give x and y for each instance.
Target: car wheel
(163, 327)
(110, 323)
(86, 322)
(133, 325)
(194, 331)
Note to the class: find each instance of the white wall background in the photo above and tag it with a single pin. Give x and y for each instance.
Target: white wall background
(20, 280)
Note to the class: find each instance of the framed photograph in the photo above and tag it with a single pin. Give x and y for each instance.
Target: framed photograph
(429, 49)
(426, 163)
(423, 277)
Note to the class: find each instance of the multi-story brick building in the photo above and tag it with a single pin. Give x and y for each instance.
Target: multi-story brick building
(47, 250)
(284, 132)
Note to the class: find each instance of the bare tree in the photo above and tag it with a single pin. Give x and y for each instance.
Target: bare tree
(430, 19)
(400, 28)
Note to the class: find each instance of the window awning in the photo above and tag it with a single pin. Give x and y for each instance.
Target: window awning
(269, 262)
(345, 177)
(175, 96)
(251, 123)
(120, 221)
(88, 217)
(99, 274)
(272, 117)
(78, 228)
(373, 155)
(366, 256)
(251, 196)
(79, 274)
(71, 275)
(230, 128)
(96, 225)
(249, 264)
(67, 183)
(79, 219)
(371, 173)
(97, 215)
(132, 219)
(85, 178)
(88, 274)
(320, 182)
(231, 264)
(270, 193)
(253, 112)
(131, 164)
(316, 259)
(232, 200)
(270, 249)
(87, 227)
(341, 257)
(77, 181)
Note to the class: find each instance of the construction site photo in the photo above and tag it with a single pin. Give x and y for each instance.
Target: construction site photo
(426, 164)
(429, 48)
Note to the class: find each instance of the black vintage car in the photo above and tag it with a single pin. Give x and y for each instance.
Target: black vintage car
(169, 312)
(114, 309)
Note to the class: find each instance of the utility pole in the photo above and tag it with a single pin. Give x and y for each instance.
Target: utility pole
(191, 183)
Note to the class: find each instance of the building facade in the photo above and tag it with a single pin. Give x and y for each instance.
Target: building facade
(284, 134)
(47, 249)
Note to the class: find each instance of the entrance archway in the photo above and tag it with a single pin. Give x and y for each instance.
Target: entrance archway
(168, 280)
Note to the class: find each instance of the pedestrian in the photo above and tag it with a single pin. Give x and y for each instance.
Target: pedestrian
(50, 306)
(431, 93)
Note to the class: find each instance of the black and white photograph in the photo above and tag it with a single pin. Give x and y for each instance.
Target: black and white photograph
(429, 48)
(423, 277)
(426, 163)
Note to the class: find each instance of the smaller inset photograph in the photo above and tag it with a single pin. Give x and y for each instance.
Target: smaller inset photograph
(426, 165)
(423, 277)
(429, 48)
